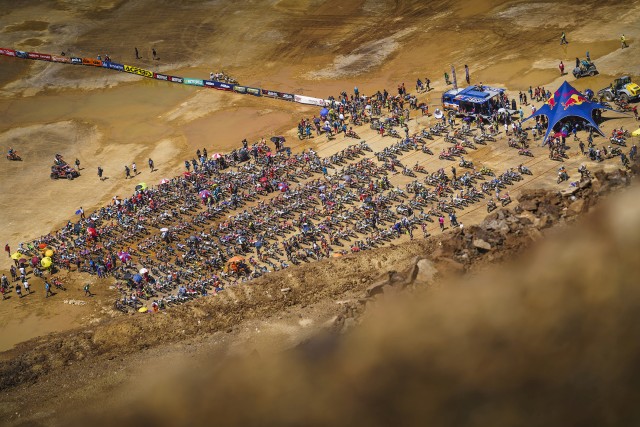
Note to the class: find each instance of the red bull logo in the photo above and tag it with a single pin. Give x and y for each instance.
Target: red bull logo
(574, 99)
(551, 102)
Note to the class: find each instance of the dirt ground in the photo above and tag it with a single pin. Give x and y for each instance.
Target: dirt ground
(316, 48)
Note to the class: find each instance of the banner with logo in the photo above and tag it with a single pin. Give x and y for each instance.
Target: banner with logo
(115, 66)
(138, 71)
(22, 54)
(174, 79)
(40, 56)
(76, 60)
(222, 86)
(64, 59)
(278, 95)
(193, 82)
(209, 83)
(161, 77)
(240, 89)
(7, 52)
(309, 100)
(254, 91)
(91, 61)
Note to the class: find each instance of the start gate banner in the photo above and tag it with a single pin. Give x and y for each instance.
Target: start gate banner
(56, 58)
(254, 91)
(91, 61)
(115, 66)
(222, 86)
(7, 52)
(138, 71)
(41, 56)
(309, 100)
(193, 82)
(76, 60)
(278, 95)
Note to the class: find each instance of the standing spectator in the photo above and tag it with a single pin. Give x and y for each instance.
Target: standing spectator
(100, 171)
(47, 289)
(441, 222)
(134, 169)
(81, 213)
(561, 67)
(466, 73)
(563, 39)
(7, 249)
(18, 290)
(151, 164)
(26, 287)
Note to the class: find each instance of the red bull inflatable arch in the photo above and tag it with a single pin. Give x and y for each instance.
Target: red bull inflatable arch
(568, 102)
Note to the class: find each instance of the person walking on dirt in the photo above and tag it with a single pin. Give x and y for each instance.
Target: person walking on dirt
(151, 164)
(87, 291)
(563, 39)
(623, 41)
(134, 169)
(100, 171)
(561, 67)
(77, 163)
(26, 287)
(137, 55)
(47, 290)
(127, 172)
(18, 290)
(153, 52)
(427, 82)
(441, 222)
(81, 213)
(466, 73)
(446, 78)
(7, 249)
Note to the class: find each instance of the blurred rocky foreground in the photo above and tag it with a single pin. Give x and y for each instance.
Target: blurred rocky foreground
(530, 318)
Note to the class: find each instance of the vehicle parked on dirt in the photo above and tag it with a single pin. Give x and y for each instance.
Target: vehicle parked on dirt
(623, 89)
(585, 69)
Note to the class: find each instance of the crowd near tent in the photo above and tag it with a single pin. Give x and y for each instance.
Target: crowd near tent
(568, 102)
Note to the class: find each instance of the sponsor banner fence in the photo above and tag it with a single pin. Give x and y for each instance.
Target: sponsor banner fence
(173, 79)
(56, 58)
(91, 61)
(7, 52)
(254, 91)
(41, 56)
(138, 71)
(309, 100)
(223, 86)
(115, 66)
(193, 82)
(278, 95)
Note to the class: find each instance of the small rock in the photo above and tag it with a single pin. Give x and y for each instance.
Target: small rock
(481, 244)
(529, 205)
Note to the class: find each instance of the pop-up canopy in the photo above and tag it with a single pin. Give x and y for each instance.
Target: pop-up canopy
(568, 102)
